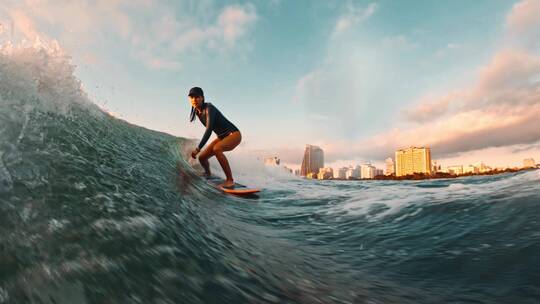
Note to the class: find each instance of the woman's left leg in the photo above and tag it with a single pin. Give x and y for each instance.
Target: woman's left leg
(227, 144)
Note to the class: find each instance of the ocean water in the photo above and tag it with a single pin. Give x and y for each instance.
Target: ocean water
(96, 210)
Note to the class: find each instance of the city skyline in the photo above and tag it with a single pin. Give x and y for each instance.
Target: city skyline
(406, 162)
(336, 81)
(409, 162)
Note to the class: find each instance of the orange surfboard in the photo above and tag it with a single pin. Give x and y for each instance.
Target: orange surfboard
(238, 189)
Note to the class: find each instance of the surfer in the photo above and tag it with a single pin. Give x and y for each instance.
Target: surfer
(228, 135)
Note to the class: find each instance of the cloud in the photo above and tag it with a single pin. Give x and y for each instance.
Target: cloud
(508, 85)
(234, 21)
(524, 16)
(352, 17)
(232, 24)
(87, 20)
(170, 38)
(488, 116)
(462, 132)
(524, 148)
(509, 70)
(431, 107)
(499, 108)
(158, 35)
(496, 157)
(523, 24)
(509, 80)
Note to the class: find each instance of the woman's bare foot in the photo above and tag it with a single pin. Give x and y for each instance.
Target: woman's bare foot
(228, 184)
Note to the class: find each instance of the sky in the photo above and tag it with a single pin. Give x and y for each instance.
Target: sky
(360, 79)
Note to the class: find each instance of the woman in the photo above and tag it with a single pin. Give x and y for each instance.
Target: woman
(228, 135)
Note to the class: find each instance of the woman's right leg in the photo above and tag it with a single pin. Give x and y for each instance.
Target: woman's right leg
(227, 144)
(206, 154)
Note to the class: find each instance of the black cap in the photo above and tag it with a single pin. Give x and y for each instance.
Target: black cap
(196, 91)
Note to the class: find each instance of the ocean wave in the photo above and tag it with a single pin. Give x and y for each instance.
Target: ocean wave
(95, 209)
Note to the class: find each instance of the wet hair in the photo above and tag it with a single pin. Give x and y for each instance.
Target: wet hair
(193, 112)
(192, 115)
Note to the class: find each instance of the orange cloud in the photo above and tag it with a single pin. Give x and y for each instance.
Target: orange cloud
(508, 70)
(523, 24)
(524, 16)
(500, 108)
(509, 80)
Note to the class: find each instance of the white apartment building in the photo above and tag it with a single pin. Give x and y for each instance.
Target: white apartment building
(413, 160)
(471, 169)
(456, 170)
(367, 171)
(353, 172)
(341, 173)
(390, 167)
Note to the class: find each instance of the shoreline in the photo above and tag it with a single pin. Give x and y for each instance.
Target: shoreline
(439, 175)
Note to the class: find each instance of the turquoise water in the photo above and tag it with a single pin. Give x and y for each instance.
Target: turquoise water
(96, 210)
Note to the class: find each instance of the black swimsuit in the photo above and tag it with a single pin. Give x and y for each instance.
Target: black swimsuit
(213, 120)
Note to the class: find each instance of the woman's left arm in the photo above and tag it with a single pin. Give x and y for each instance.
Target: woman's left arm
(210, 120)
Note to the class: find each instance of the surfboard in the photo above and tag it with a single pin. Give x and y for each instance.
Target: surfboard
(238, 189)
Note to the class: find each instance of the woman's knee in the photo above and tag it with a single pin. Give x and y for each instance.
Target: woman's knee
(202, 159)
(205, 155)
(217, 149)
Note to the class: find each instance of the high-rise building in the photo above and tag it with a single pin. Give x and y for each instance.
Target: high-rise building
(358, 171)
(379, 172)
(390, 168)
(367, 171)
(413, 160)
(529, 163)
(313, 160)
(352, 173)
(349, 173)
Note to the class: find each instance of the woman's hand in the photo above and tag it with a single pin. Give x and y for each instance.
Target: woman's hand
(194, 153)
